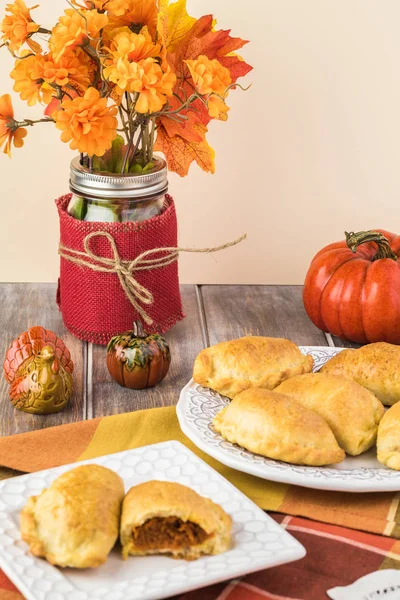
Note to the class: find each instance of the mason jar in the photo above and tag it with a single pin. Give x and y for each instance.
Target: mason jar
(113, 197)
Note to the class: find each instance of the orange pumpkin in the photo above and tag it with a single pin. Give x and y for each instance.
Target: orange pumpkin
(352, 288)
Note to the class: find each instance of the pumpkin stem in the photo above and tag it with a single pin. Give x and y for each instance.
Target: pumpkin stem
(138, 330)
(353, 240)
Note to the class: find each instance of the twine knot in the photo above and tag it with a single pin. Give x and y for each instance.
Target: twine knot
(136, 293)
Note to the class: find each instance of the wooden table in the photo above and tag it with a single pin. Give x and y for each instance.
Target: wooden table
(214, 313)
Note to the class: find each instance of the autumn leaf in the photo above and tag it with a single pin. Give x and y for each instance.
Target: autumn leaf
(236, 65)
(184, 141)
(184, 128)
(174, 22)
(202, 39)
(180, 153)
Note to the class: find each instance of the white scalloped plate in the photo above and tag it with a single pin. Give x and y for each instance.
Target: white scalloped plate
(198, 406)
(258, 541)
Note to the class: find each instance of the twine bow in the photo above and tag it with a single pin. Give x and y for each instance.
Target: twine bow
(125, 269)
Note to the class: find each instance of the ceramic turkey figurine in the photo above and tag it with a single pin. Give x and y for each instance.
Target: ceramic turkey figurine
(39, 368)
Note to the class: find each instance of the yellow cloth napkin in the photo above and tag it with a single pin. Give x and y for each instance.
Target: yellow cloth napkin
(46, 448)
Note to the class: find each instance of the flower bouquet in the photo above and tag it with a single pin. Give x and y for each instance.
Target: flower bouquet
(120, 79)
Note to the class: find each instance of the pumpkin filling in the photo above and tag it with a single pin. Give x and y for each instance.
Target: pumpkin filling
(170, 533)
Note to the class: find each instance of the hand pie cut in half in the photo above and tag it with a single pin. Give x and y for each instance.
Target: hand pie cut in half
(351, 411)
(75, 522)
(388, 442)
(278, 427)
(162, 517)
(374, 366)
(249, 362)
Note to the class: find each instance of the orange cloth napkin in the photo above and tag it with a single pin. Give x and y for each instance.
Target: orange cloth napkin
(46, 448)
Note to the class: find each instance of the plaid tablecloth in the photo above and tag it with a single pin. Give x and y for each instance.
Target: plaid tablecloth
(336, 556)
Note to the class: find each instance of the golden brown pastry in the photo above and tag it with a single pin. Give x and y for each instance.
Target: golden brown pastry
(388, 442)
(252, 361)
(277, 426)
(352, 412)
(75, 522)
(374, 366)
(161, 517)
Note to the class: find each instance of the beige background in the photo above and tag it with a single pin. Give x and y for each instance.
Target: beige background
(311, 150)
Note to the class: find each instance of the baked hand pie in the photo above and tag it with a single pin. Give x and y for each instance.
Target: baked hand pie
(249, 362)
(388, 442)
(276, 426)
(374, 366)
(75, 522)
(351, 411)
(162, 517)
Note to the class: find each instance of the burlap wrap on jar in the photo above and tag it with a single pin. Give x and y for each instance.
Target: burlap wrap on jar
(94, 304)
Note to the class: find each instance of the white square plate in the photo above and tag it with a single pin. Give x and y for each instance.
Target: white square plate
(258, 541)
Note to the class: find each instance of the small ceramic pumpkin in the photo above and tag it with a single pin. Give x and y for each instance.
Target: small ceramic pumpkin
(39, 368)
(138, 360)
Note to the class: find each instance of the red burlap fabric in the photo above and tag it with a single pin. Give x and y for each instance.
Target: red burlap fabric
(93, 305)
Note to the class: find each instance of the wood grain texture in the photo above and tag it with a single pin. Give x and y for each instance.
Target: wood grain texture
(22, 306)
(232, 311)
(344, 343)
(106, 397)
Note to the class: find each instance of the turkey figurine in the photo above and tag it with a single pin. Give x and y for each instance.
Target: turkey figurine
(39, 369)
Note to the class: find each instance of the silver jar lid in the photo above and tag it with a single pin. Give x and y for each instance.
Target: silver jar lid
(114, 185)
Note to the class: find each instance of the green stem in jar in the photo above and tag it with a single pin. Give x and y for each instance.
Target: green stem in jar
(151, 143)
(144, 142)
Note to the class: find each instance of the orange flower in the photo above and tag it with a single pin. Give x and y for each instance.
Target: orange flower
(72, 68)
(133, 13)
(145, 77)
(154, 89)
(28, 79)
(75, 28)
(210, 77)
(123, 43)
(18, 26)
(9, 131)
(217, 108)
(87, 123)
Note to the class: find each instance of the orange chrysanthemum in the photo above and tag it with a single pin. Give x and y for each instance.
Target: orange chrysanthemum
(87, 123)
(18, 26)
(75, 28)
(9, 131)
(28, 79)
(123, 43)
(145, 77)
(133, 13)
(210, 77)
(72, 68)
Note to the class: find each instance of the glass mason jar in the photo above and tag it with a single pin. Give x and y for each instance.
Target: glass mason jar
(113, 197)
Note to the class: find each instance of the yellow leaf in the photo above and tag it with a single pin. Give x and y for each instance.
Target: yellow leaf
(174, 21)
(180, 153)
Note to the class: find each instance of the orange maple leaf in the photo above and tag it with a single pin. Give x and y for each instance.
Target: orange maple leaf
(180, 152)
(183, 142)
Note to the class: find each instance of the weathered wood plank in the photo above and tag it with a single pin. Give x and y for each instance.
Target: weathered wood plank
(344, 343)
(24, 305)
(106, 397)
(235, 310)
